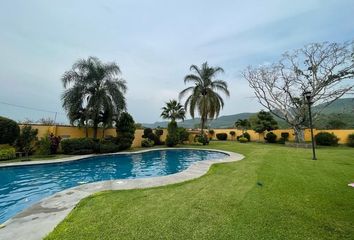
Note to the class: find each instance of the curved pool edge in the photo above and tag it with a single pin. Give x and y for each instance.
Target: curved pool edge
(41, 218)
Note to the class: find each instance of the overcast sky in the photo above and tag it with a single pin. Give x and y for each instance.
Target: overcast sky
(154, 42)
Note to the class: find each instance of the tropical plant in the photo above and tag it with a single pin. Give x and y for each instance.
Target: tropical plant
(173, 111)
(242, 124)
(203, 96)
(93, 93)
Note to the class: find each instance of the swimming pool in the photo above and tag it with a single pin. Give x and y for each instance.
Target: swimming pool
(23, 186)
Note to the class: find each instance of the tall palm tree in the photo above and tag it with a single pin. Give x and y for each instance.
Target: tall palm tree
(203, 96)
(94, 87)
(173, 110)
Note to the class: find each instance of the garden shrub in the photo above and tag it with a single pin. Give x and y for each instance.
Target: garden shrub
(147, 142)
(243, 140)
(244, 135)
(270, 137)
(54, 143)
(125, 128)
(44, 146)
(172, 138)
(284, 137)
(78, 146)
(26, 142)
(221, 136)
(148, 133)
(326, 139)
(351, 140)
(201, 138)
(183, 134)
(108, 147)
(9, 131)
(7, 152)
(232, 133)
(211, 132)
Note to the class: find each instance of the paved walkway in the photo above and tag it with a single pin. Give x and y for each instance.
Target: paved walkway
(40, 219)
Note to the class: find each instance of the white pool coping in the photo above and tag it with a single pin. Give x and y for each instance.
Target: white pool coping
(40, 219)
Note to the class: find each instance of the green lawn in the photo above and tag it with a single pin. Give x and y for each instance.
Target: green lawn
(276, 192)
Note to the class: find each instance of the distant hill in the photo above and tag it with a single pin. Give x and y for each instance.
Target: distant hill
(341, 106)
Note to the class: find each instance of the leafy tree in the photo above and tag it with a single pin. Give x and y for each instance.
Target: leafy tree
(173, 111)
(203, 96)
(93, 91)
(264, 121)
(9, 131)
(318, 68)
(244, 124)
(125, 128)
(27, 139)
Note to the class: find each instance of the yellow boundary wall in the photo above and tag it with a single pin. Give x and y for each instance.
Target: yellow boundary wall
(75, 132)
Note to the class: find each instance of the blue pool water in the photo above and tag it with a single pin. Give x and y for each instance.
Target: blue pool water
(23, 186)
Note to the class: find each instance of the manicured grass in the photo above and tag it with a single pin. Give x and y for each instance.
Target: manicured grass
(276, 192)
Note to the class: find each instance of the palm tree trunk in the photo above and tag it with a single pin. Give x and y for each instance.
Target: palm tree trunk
(203, 117)
(95, 127)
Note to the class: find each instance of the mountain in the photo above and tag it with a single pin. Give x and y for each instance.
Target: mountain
(343, 106)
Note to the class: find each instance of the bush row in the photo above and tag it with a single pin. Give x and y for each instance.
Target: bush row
(7, 152)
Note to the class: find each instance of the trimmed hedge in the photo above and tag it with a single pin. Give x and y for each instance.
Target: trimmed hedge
(9, 131)
(108, 147)
(78, 146)
(221, 136)
(326, 139)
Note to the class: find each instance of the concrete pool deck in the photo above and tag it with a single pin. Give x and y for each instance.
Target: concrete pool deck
(40, 219)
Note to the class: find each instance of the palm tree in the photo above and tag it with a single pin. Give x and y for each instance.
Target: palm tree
(173, 110)
(243, 124)
(93, 88)
(203, 96)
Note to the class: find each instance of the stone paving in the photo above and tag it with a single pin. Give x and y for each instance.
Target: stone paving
(41, 218)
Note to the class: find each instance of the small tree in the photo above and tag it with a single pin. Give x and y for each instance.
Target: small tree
(319, 68)
(264, 121)
(27, 139)
(242, 124)
(125, 128)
